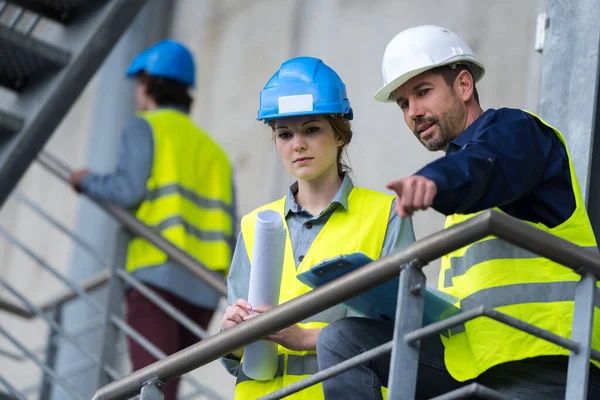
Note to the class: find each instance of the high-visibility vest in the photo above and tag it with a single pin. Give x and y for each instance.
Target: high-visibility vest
(362, 227)
(516, 282)
(189, 196)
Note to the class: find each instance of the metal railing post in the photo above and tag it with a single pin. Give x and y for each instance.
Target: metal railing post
(114, 301)
(151, 390)
(409, 317)
(583, 318)
(51, 352)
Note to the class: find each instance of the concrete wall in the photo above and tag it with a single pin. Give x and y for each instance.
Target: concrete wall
(239, 45)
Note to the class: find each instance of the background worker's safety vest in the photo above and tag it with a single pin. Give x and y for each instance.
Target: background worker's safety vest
(516, 282)
(189, 196)
(361, 227)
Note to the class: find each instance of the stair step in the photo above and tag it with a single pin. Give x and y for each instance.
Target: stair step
(9, 123)
(23, 59)
(63, 11)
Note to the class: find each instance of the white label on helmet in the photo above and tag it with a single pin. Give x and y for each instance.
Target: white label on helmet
(297, 103)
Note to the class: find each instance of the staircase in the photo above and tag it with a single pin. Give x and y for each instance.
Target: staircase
(49, 50)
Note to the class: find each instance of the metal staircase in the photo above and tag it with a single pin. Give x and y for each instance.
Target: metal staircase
(49, 50)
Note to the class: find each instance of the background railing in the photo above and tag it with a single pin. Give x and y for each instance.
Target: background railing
(111, 277)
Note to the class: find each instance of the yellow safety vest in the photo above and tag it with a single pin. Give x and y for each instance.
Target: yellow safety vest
(189, 196)
(361, 227)
(516, 282)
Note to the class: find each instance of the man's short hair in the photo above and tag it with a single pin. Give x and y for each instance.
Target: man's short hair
(450, 72)
(166, 91)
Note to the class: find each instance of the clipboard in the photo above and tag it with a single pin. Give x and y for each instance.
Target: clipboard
(379, 302)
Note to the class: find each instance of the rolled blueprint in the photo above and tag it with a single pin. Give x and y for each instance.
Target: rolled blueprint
(260, 358)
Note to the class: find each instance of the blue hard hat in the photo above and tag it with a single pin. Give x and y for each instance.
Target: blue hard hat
(304, 86)
(166, 59)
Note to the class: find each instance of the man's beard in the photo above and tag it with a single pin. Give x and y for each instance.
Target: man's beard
(436, 142)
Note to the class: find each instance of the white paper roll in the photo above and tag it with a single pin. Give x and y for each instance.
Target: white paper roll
(260, 358)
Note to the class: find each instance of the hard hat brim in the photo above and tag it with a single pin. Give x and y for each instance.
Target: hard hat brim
(384, 94)
(269, 117)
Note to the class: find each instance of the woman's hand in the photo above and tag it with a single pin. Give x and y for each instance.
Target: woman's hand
(293, 337)
(235, 314)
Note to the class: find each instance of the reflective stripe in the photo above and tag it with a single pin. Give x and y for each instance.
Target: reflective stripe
(479, 252)
(521, 293)
(206, 236)
(302, 365)
(331, 314)
(296, 365)
(483, 251)
(195, 198)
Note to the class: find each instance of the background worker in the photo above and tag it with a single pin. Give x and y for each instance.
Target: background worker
(177, 179)
(506, 159)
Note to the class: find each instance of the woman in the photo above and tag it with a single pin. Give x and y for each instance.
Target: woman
(305, 105)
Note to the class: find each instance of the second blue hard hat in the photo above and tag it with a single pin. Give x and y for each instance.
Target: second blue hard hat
(166, 59)
(304, 86)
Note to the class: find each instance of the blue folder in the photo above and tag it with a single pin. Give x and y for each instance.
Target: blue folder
(379, 302)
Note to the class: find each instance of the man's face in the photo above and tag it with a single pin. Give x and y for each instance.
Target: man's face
(141, 97)
(432, 110)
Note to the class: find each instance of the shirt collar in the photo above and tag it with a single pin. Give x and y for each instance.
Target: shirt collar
(340, 198)
(468, 134)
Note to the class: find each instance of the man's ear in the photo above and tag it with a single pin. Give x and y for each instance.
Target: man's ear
(464, 85)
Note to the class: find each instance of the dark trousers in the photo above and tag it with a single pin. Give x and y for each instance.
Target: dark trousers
(539, 378)
(162, 330)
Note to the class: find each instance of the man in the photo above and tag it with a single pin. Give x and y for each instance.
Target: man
(178, 180)
(506, 159)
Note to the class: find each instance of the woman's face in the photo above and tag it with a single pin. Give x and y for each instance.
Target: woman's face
(307, 145)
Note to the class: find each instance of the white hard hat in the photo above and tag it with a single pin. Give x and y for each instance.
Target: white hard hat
(416, 50)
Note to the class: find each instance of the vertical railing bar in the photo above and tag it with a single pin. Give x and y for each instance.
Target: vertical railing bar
(581, 332)
(50, 355)
(12, 390)
(57, 328)
(113, 301)
(151, 390)
(40, 364)
(409, 317)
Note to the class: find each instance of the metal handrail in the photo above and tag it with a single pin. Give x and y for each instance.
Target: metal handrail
(425, 250)
(15, 309)
(117, 321)
(102, 278)
(138, 228)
